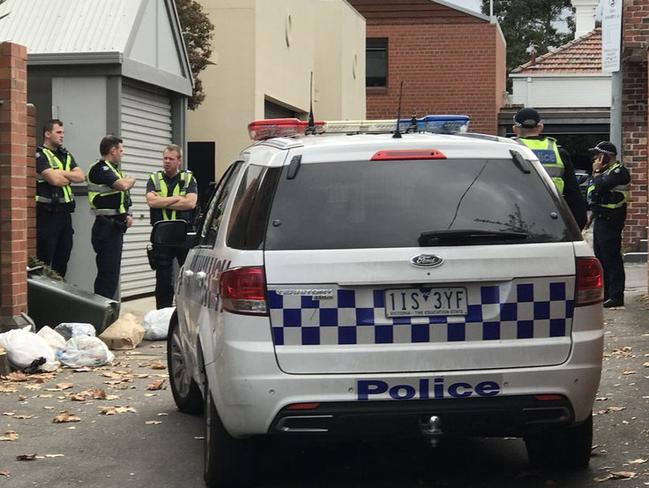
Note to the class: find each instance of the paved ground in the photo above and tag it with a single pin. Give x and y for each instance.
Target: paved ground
(157, 446)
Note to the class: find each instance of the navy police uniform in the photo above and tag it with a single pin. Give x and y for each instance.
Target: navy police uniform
(180, 185)
(110, 207)
(54, 206)
(608, 193)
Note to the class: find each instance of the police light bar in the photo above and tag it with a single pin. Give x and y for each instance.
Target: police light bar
(440, 124)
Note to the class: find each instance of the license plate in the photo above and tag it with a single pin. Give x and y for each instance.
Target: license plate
(417, 302)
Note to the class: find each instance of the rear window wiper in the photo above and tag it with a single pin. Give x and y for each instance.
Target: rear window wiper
(461, 236)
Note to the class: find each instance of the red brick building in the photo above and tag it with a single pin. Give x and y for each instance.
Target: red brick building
(634, 116)
(450, 59)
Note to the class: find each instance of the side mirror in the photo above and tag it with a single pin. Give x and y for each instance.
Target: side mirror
(170, 233)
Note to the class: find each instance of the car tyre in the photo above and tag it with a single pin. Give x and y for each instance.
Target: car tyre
(568, 447)
(228, 461)
(184, 389)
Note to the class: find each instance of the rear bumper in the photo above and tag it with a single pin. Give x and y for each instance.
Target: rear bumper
(499, 416)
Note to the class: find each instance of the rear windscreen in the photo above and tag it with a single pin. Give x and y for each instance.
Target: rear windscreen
(380, 204)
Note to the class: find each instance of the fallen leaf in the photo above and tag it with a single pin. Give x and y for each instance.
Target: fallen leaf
(153, 422)
(23, 417)
(26, 457)
(149, 395)
(33, 387)
(85, 395)
(22, 398)
(17, 376)
(82, 370)
(163, 414)
(45, 395)
(156, 385)
(116, 410)
(8, 389)
(142, 376)
(5, 473)
(54, 455)
(628, 372)
(157, 346)
(157, 365)
(65, 417)
(10, 436)
(8, 414)
(638, 461)
(645, 365)
(199, 437)
(601, 399)
(616, 409)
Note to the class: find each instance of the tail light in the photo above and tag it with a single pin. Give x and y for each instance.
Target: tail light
(589, 282)
(243, 290)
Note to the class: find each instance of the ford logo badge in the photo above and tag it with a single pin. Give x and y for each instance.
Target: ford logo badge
(426, 261)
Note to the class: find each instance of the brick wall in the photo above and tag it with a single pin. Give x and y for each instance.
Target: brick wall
(446, 68)
(31, 180)
(13, 181)
(634, 116)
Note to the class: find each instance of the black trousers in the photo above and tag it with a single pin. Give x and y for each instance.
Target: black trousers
(107, 239)
(54, 238)
(164, 280)
(607, 240)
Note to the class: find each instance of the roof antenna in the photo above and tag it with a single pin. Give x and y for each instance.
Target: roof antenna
(310, 130)
(397, 132)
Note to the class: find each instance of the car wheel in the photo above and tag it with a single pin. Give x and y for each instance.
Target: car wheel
(228, 461)
(184, 389)
(569, 447)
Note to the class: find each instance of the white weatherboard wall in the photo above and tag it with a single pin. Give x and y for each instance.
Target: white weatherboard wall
(146, 130)
(570, 91)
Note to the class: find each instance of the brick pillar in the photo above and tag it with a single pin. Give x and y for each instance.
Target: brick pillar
(31, 180)
(13, 184)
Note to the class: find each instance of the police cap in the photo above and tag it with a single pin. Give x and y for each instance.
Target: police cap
(527, 117)
(605, 147)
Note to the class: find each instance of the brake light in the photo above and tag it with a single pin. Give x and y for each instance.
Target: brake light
(548, 398)
(407, 154)
(303, 406)
(589, 282)
(243, 290)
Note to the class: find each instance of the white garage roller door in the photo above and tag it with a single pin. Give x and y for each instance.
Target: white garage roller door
(146, 130)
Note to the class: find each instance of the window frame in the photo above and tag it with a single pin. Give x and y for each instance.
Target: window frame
(386, 48)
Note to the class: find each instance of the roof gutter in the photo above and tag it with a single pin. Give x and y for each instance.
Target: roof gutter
(54, 59)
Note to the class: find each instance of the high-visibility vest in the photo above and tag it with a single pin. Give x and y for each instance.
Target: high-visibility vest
(55, 163)
(99, 190)
(161, 188)
(621, 189)
(547, 151)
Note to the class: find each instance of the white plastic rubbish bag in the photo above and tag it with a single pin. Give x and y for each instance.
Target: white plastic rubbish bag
(156, 324)
(73, 329)
(53, 338)
(81, 351)
(24, 347)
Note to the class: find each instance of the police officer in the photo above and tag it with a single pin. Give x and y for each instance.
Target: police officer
(56, 169)
(172, 195)
(109, 197)
(608, 193)
(556, 161)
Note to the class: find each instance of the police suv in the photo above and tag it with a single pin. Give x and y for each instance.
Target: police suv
(357, 282)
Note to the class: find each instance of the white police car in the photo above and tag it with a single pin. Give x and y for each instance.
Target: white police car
(359, 284)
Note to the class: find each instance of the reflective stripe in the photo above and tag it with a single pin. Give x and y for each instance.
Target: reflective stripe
(57, 164)
(160, 186)
(100, 190)
(547, 152)
(621, 189)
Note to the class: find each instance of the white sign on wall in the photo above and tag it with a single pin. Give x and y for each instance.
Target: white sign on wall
(611, 35)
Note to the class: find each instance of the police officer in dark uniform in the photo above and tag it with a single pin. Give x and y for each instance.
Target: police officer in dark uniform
(56, 169)
(109, 197)
(556, 160)
(608, 193)
(172, 195)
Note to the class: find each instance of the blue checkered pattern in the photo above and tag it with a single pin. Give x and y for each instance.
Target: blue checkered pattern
(528, 309)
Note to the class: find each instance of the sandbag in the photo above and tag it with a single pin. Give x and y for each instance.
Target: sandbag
(82, 351)
(24, 347)
(156, 324)
(53, 338)
(125, 333)
(74, 329)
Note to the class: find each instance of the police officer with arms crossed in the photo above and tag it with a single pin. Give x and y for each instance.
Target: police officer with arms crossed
(56, 169)
(608, 193)
(172, 195)
(556, 161)
(108, 194)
